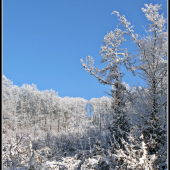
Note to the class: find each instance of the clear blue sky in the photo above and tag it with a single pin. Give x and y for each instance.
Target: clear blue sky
(44, 40)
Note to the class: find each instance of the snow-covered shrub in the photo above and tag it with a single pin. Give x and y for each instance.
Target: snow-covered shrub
(135, 156)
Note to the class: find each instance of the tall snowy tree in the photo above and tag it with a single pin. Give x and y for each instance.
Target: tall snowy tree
(114, 56)
(152, 68)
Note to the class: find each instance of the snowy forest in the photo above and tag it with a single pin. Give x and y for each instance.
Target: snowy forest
(128, 130)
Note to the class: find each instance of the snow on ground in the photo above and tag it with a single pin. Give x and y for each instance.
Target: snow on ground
(71, 163)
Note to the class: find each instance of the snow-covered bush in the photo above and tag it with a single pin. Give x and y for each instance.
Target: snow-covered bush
(135, 156)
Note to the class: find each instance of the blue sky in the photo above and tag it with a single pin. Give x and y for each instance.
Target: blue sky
(44, 40)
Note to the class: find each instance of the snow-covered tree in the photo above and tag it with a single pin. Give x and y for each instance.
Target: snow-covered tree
(8, 108)
(113, 56)
(152, 68)
(101, 111)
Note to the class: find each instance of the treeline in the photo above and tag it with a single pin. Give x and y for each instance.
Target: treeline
(26, 106)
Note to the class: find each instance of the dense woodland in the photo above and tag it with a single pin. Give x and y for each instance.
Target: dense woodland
(127, 130)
